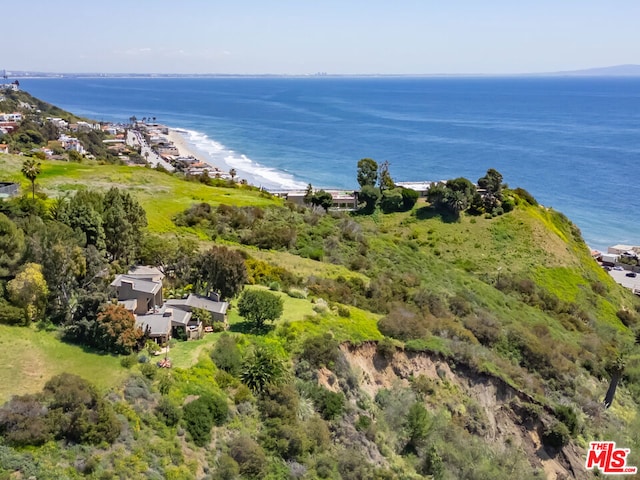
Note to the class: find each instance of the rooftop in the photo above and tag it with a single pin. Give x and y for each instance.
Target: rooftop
(139, 285)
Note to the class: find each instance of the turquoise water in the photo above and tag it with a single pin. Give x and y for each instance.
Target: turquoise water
(574, 143)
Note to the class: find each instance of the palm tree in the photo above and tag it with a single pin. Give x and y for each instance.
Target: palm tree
(31, 169)
(233, 174)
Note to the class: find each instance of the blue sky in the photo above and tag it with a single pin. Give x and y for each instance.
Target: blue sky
(334, 36)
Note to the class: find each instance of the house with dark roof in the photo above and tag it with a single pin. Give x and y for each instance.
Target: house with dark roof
(156, 325)
(140, 292)
(211, 304)
(137, 294)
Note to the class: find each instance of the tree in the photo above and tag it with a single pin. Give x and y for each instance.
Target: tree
(409, 198)
(11, 245)
(116, 330)
(226, 354)
(261, 368)
(417, 424)
(322, 199)
(367, 172)
(384, 177)
(221, 270)
(370, 196)
(29, 290)
(491, 182)
(259, 306)
(123, 220)
(308, 194)
(392, 200)
(31, 170)
(201, 414)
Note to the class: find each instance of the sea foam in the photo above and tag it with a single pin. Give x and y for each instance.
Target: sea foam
(218, 155)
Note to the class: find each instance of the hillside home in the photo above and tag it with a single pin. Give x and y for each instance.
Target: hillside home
(140, 295)
(4, 148)
(11, 117)
(211, 304)
(140, 292)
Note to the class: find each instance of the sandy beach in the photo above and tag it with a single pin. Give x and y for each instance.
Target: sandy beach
(186, 149)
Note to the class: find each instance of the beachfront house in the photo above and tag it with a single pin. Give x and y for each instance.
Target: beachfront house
(342, 199)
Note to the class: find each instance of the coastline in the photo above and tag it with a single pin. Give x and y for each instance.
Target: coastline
(187, 149)
(221, 160)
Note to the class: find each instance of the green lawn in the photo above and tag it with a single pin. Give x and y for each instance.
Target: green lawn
(30, 357)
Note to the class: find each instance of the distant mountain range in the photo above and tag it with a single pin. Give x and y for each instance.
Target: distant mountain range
(614, 71)
(629, 70)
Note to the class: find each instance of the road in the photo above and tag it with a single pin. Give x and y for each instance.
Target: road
(136, 139)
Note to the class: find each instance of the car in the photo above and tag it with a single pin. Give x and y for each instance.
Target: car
(630, 274)
(618, 268)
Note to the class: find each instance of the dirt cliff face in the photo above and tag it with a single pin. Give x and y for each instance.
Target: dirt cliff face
(502, 417)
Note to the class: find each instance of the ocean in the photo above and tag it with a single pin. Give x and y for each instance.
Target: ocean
(574, 143)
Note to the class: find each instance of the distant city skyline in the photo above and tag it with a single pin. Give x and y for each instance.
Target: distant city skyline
(336, 37)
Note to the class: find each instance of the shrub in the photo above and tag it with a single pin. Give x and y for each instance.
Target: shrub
(261, 368)
(149, 370)
(249, 456)
(627, 317)
(201, 414)
(556, 435)
(392, 200)
(10, 315)
(129, 361)
(168, 412)
(460, 306)
(403, 324)
(386, 348)
(296, 293)
(567, 416)
(227, 469)
(321, 350)
(226, 355)
(242, 395)
(343, 311)
(525, 196)
(409, 198)
(274, 286)
(330, 404)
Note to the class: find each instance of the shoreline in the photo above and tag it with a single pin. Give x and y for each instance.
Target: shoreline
(187, 149)
(222, 160)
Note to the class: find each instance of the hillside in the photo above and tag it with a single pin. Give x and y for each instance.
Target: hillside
(411, 344)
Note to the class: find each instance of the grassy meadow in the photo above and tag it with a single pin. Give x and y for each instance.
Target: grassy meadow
(29, 357)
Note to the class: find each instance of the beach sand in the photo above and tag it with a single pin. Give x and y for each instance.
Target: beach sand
(186, 149)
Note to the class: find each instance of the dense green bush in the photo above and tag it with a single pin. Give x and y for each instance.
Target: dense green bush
(320, 350)
(403, 324)
(556, 435)
(202, 414)
(168, 412)
(11, 315)
(567, 415)
(248, 455)
(226, 354)
(69, 408)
